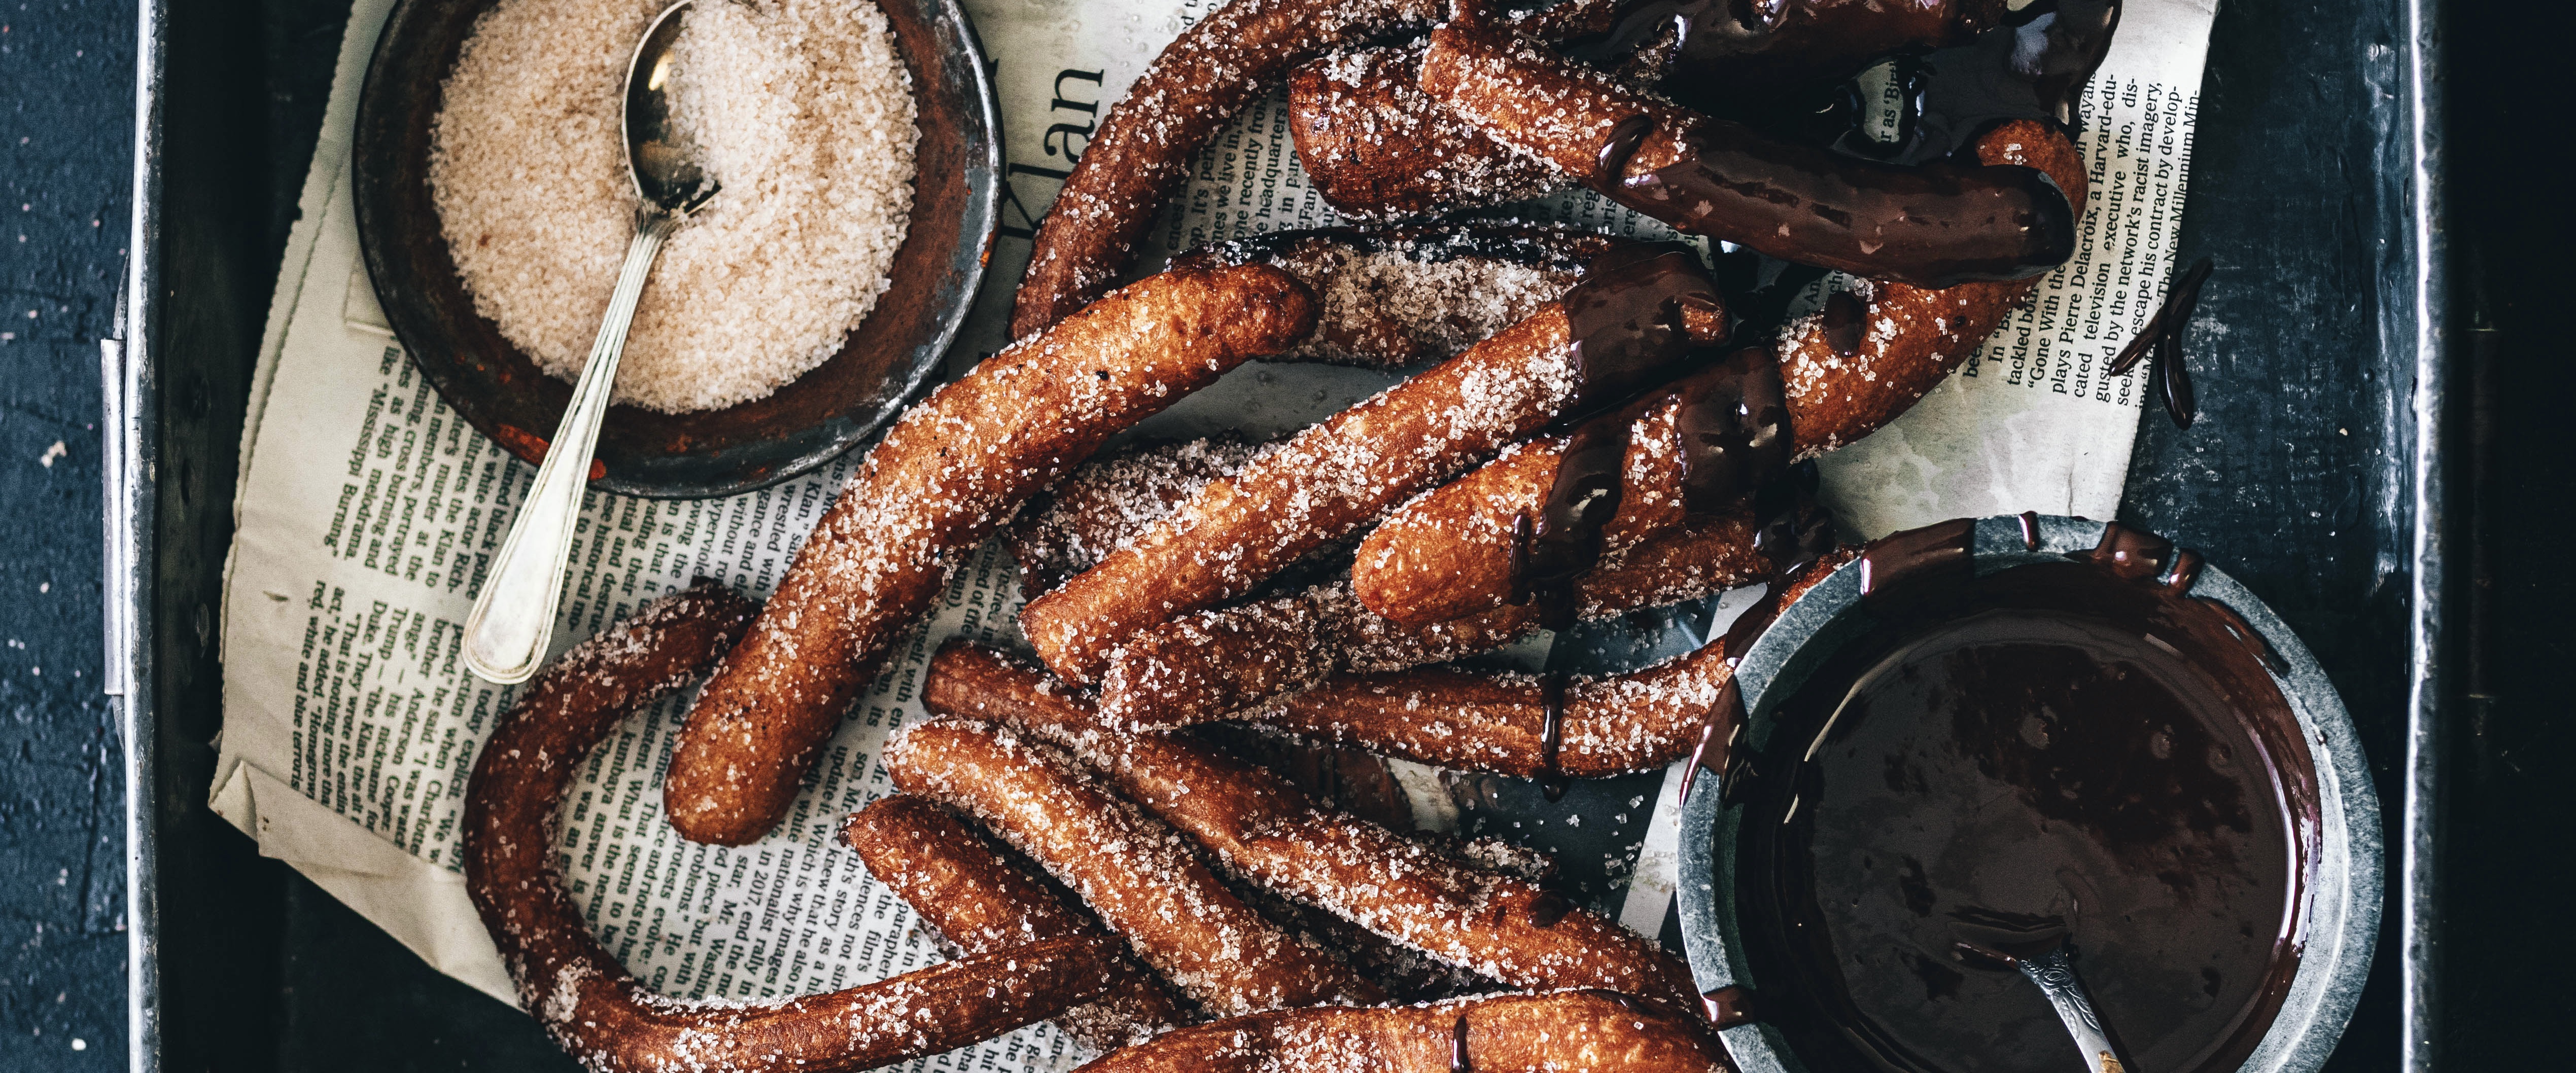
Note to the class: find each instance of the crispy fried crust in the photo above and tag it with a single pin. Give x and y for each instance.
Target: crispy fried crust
(587, 1001)
(951, 470)
(1449, 553)
(1934, 224)
(982, 903)
(1214, 664)
(1912, 337)
(1143, 149)
(1105, 504)
(1496, 720)
(1133, 871)
(1376, 145)
(1262, 828)
(1319, 487)
(1794, 47)
(1592, 1031)
(1208, 665)
(1408, 295)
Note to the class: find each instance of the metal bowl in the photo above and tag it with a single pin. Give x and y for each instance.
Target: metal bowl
(823, 413)
(2339, 912)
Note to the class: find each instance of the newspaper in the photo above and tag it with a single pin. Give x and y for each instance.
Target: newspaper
(368, 512)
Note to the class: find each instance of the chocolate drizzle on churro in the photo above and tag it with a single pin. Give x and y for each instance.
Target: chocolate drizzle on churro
(1733, 439)
(1731, 435)
(1841, 322)
(1628, 327)
(1458, 1047)
(1621, 145)
(1627, 321)
(1548, 908)
(1818, 206)
(1733, 430)
(1727, 54)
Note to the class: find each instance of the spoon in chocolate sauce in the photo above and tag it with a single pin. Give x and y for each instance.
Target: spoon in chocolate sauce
(2037, 947)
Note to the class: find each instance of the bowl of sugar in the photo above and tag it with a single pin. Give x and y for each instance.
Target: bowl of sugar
(858, 150)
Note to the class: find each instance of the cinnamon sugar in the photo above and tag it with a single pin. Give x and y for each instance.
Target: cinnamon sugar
(806, 114)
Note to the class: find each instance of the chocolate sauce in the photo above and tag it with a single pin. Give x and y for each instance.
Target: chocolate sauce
(1748, 54)
(1728, 1007)
(2029, 530)
(1932, 225)
(1732, 437)
(1621, 145)
(1964, 66)
(2035, 66)
(2163, 334)
(2075, 752)
(1551, 738)
(1624, 321)
(1548, 909)
(1915, 555)
(1458, 1062)
(1841, 321)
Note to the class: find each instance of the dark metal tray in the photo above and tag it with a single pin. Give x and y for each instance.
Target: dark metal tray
(2309, 478)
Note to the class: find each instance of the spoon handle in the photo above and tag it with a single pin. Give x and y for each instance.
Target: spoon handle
(514, 615)
(2056, 978)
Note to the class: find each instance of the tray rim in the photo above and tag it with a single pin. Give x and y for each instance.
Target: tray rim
(2415, 338)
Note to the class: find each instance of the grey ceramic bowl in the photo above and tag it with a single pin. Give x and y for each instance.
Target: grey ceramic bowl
(2339, 916)
(833, 407)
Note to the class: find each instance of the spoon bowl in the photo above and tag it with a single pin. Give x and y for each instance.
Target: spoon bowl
(669, 172)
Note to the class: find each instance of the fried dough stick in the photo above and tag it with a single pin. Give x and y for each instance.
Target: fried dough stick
(1592, 1031)
(1931, 225)
(602, 1015)
(1195, 86)
(1324, 484)
(1847, 369)
(1132, 870)
(955, 467)
(1220, 663)
(1265, 830)
(1375, 145)
(1394, 296)
(982, 903)
(1497, 720)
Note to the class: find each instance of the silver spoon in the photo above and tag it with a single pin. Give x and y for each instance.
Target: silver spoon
(2037, 947)
(514, 615)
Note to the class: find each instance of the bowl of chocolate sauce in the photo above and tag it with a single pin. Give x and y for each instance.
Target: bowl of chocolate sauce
(2036, 728)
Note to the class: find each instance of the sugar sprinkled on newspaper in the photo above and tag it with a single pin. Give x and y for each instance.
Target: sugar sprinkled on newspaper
(368, 510)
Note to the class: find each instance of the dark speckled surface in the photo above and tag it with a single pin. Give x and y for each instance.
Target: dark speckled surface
(66, 132)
